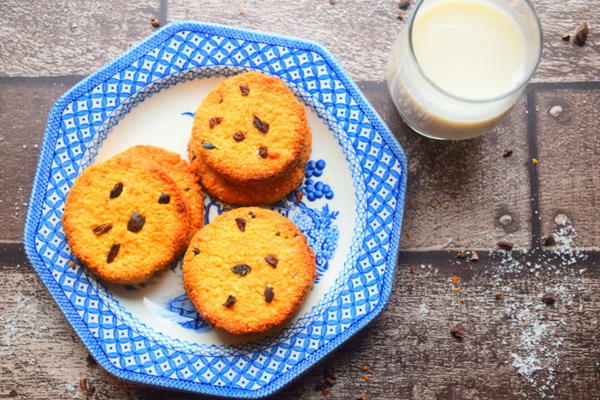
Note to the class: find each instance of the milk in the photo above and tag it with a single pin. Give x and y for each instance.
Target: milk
(468, 61)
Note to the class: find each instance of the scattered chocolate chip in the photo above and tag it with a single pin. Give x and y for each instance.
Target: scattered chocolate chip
(245, 90)
(458, 332)
(136, 222)
(474, 256)
(155, 22)
(241, 269)
(260, 125)
(299, 196)
(403, 4)
(272, 260)
(193, 156)
(505, 245)
(507, 153)
(461, 254)
(196, 251)
(581, 34)
(208, 146)
(549, 298)
(566, 36)
(277, 233)
(214, 121)
(230, 301)
(269, 294)
(295, 234)
(91, 360)
(187, 189)
(116, 190)
(238, 136)
(164, 198)
(263, 152)
(86, 387)
(101, 229)
(499, 295)
(241, 223)
(112, 253)
(549, 240)
(251, 214)
(361, 396)
(400, 15)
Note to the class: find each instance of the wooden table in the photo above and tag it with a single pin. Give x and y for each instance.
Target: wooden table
(462, 195)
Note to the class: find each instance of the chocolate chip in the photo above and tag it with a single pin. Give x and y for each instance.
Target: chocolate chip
(112, 253)
(549, 298)
(193, 156)
(251, 214)
(260, 125)
(581, 34)
(549, 240)
(187, 189)
(238, 136)
(101, 229)
(86, 387)
(272, 260)
(155, 22)
(458, 332)
(507, 153)
(505, 245)
(214, 122)
(263, 152)
(136, 222)
(241, 223)
(230, 301)
(295, 234)
(245, 90)
(566, 36)
(164, 198)
(241, 269)
(196, 251)
(277, 233)
(116, 190)
(269, 294)
(403, 4)
(208, 146)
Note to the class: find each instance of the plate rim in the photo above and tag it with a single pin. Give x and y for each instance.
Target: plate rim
(42, 177)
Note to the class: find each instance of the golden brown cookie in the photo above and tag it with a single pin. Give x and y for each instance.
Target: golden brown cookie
(250, 128)
(248, 194)
(248, 270)
(125, 221)
(181, 173)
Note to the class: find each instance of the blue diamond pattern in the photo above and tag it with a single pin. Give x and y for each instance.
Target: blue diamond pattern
(80, 121)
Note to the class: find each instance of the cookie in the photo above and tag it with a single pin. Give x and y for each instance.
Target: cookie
(248, 270)
(251, 193)
(181, 173)
(250, 128)
(125, 221)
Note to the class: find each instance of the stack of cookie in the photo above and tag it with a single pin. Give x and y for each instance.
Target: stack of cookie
(133, 215)
(250, 140)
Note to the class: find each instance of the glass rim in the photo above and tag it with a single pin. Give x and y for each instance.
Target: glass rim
(518, 87)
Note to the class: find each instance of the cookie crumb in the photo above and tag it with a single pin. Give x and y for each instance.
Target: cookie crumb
(400, 15)
(458, 332)
(155, 22)
(499, 295)
(474, 256)
(549, 298)
(566, 36)
(404, 4)
(86, 387)
(364, 368)
(507, 153)
(581, 34)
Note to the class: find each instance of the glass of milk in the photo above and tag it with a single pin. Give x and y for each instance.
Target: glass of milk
(459, 65)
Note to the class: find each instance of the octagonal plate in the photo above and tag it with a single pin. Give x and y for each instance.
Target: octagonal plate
(351, 211)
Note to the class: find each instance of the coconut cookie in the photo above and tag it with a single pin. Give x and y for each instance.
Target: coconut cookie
(250, 128)
(248, 270)
(125, 221)
(251, 193)
(181, 173)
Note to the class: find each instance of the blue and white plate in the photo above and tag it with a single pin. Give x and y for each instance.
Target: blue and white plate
(351, 212)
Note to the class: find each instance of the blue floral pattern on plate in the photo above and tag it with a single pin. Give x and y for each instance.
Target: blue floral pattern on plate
(81, 120)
